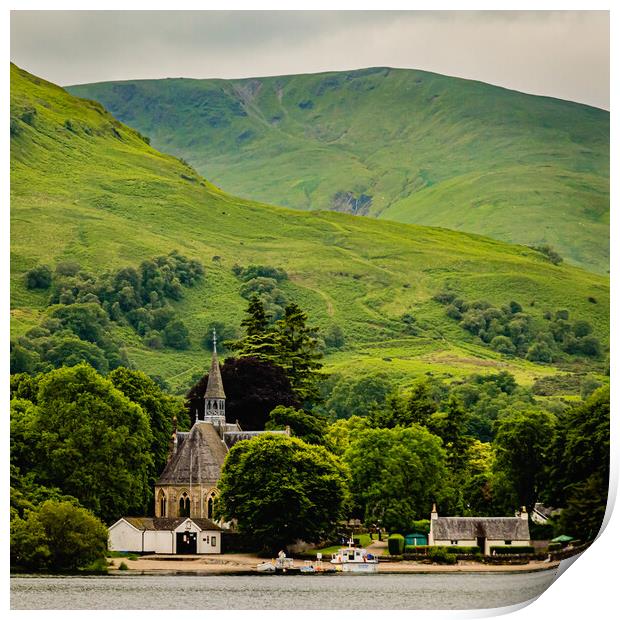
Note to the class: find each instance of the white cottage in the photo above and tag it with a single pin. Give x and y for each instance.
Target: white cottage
(164, 535)
(483, 532)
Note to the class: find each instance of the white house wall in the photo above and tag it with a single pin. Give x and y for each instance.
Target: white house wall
(487, 544)
(124, 537)
(159, 541)
(502, 543)
(206, 538)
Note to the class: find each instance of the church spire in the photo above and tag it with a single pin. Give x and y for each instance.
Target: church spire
(215, 398)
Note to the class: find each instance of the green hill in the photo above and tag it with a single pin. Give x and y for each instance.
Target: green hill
(86, 188)
(403, 145)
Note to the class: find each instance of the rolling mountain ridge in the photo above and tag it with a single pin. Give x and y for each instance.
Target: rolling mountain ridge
(404, 145)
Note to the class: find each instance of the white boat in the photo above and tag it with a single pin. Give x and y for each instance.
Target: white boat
(355, 560)
(266, 567)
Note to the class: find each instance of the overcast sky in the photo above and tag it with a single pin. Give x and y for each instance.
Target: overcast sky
(562, 54)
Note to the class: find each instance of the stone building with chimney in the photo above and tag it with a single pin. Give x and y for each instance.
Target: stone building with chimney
(483, 532)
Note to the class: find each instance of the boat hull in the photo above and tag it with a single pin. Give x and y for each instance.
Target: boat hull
(354, 567)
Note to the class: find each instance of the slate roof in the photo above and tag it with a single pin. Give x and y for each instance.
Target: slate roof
(231, 438)
(215, 387)
(181, 436)
(468, 528)
(200, 455)
(168, 524)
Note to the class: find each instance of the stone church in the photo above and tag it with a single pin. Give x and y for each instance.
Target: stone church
(186, 491)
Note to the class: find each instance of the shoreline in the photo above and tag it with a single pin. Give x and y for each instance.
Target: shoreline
(242, 564)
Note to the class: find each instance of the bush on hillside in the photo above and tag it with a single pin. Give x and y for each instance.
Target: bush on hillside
(39, 277)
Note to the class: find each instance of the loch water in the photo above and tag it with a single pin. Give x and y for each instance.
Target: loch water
(380, 591)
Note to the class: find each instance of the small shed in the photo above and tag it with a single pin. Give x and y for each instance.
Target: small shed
(165, 535)
(415, 539)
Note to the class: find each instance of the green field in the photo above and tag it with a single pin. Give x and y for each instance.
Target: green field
(87, 188)
(403, 145)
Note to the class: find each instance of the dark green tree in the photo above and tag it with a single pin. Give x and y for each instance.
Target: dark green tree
(579, 478)
(522, 441)
(160, 407)
(306, 426)
(396, 474)
(259, 339)
(57, 536)
(298, 352)
(253, 389)
(88, 439)
(346, 396)
(176, 335)
(281, 489)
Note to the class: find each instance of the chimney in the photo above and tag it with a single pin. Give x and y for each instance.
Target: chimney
(434, 514)
(524, 514)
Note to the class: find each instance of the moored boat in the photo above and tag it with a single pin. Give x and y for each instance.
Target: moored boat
(355, 560)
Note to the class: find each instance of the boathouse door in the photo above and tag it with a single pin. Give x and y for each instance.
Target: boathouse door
(187, 543)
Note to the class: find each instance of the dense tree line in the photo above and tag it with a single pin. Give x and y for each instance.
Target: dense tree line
(512, 331)
(83, 307)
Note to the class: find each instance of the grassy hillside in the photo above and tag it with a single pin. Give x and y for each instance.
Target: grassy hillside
(402, 145)
(87, 188)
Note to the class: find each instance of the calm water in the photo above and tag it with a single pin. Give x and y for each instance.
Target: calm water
(448, 591)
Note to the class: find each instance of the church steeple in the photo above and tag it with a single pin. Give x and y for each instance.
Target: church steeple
(215, 398)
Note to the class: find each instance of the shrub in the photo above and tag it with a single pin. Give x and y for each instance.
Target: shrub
(39, 277)
(334, 337)
(453, 312)
(503, 344)
(539, 352)
(58, 536)
(176, 335)
(444, 297)
(123, 566)
(462, 549)
(456, 549)
(582, 328)
(440, 555)
(511, 550)
(417, 549)
(554, 547)
(396, 544)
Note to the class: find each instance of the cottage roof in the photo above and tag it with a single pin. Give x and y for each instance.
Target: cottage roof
(469, 528)
(198, 458)
(168, 524)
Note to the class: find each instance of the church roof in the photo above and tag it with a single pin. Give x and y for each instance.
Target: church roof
(198, 459)
(468, 528)
(168, 524)
(215, 387)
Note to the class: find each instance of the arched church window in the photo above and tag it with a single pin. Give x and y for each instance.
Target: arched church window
(184, 506)
(162, 504)
(211, 505)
